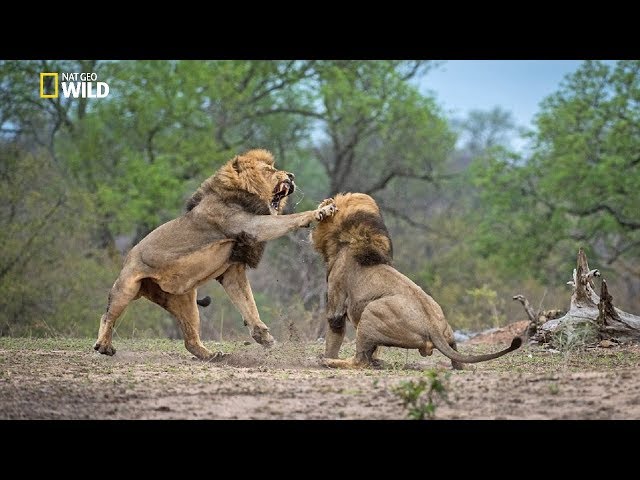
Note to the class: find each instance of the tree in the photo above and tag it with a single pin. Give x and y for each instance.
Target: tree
(482, 130)
(378, 127)
(127, 162)
(580, 185)
(591, 317)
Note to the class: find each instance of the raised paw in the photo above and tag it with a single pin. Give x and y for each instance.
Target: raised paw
(104, 349)
(325, 202)
(325, 212)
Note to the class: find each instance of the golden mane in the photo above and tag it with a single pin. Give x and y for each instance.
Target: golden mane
(243, 172)
(357, 225)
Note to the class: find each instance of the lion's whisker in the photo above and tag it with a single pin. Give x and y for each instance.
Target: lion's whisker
(298, 193)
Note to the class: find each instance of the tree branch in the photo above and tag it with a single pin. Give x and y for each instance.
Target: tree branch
(35, 234)
(383, 182)
(533, 316)
(606, 208)
(618, 252)
(409, 220)
(294, 111)
(411, 73)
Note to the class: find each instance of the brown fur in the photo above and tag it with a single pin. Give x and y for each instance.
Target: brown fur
(223, 231)
(386, 307)
(358, 226)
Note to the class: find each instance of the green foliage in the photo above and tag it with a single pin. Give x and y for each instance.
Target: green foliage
(579, 186)
(575, 334)
(79, 176)
(378, 127)
(422, 397)
(486, 303)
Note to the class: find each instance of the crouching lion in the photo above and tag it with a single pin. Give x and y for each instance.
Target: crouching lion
(386, 307)
(223, 231)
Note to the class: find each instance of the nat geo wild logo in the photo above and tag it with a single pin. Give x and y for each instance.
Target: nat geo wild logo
(76, 85)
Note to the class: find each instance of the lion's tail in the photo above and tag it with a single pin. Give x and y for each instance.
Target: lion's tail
(441, 344)
(204, 302)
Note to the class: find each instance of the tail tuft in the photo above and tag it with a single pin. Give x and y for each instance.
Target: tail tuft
(206, 301)
(515, 343)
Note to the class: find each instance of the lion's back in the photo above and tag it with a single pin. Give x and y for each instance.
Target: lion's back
(177, 238)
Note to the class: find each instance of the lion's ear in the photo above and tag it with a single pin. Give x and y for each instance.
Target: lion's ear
(236, 164)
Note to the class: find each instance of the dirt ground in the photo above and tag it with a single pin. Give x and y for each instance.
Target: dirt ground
(159, 379)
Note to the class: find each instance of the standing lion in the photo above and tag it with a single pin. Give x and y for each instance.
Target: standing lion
(386, 307)
(224, 230)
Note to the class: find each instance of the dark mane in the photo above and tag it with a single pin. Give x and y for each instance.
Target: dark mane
(194, 200)
(367, 250)
(249, 202)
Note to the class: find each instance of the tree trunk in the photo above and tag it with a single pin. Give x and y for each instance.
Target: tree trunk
(591, 318)
(536, 319)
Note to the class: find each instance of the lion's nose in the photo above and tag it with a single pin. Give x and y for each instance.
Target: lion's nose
(291, 176)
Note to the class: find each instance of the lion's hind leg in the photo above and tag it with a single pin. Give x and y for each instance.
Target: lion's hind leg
(124, 290)
(364, 357)
(185, 310)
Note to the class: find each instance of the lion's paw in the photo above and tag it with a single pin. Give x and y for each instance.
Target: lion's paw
(378, 364)
(104, 349)
(213, 357)
(326, 211)
(325, 202)
(261, 335)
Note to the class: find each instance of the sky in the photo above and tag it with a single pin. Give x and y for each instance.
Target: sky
(515, 85)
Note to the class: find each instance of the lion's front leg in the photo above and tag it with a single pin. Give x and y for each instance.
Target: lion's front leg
(366, 347)
(334, 336)
(336, 314)
(236, 284)
(269, 227)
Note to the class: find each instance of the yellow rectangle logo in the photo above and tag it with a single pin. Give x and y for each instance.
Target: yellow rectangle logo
(55, 83)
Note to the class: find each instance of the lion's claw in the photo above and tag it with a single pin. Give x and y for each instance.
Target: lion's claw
(325, 202)
(326, 211)
(215, 356)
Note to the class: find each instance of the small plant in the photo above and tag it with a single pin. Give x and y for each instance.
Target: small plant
(422, 397)
(574, 336)
(554, 389)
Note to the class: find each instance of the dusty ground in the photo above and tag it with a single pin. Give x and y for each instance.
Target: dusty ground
(159, 379)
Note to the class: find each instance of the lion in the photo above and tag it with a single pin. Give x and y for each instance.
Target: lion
(223, 231)
(385, 306)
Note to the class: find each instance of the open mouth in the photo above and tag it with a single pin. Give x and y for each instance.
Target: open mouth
(283, 189)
